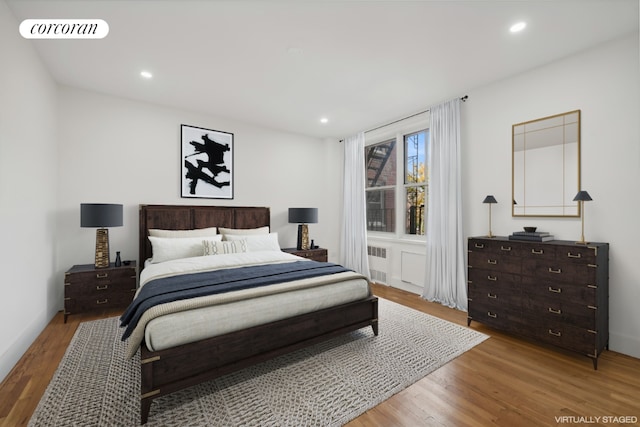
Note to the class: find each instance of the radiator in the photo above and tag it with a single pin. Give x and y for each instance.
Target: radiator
(379, 266)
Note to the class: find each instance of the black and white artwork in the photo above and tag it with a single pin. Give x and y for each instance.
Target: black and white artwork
(207, 163)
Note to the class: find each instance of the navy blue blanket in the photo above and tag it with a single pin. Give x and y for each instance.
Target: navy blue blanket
(168, 289)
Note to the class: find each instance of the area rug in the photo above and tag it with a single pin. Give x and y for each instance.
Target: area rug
(327, 384)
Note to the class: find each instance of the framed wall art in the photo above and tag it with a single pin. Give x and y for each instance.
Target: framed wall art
(207, 163)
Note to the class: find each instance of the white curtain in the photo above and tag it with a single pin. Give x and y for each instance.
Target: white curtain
(445, 269)
(353, 240)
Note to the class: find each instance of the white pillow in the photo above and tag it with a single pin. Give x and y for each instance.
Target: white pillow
(213, 247)
(168, 248)
(258, 242)
(243, 231)
(199, 232)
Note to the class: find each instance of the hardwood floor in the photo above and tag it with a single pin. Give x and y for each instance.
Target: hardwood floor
(504, 381)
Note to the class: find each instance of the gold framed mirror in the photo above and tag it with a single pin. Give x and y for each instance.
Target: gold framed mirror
(546, 166)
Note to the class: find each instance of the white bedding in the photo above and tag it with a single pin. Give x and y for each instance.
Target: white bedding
(181, 322)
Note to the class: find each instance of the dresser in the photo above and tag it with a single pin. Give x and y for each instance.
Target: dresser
(317, 254)
(89, 289)
(554, 292)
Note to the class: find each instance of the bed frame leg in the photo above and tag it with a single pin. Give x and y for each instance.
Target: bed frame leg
(145, 408)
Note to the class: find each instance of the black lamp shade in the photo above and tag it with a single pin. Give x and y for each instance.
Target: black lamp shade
(489, 199)
(582, 196)
(303, 215)
(100, 215)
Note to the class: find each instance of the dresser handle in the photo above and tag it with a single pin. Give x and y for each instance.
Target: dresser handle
(570, 255)
(554, 311)
(555, 290)
(104, 301)
(102, 288)
(479, 245)
(102, 276)
(492, 278)
(558, 271)
(554, 333)
(537, 251)
(490, 314)
(492, 261)
(505, 248)
(494, 296)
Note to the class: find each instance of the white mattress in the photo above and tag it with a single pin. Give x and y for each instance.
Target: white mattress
(189, 326)
(233, 311)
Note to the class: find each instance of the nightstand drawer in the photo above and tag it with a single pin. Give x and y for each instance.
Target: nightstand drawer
(100, 288)
(99, 277)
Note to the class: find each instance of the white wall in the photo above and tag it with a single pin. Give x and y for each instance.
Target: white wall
(28, 189)
(603, 83)
(114, 150)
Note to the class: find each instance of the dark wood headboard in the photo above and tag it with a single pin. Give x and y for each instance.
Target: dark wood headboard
(181, 217)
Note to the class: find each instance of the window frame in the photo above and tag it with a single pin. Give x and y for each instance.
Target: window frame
(398, 130)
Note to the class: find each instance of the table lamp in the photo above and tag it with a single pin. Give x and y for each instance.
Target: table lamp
(101, 215)
(582, 197)
(490, 200)
(303, 216)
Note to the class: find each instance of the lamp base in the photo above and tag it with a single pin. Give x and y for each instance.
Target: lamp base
(582, 242)
(102, 248)
(303, 237)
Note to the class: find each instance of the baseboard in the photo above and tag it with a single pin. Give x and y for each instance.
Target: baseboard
(624, 344)
(18, 347)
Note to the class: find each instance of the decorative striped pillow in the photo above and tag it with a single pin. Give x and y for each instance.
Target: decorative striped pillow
(214, 247)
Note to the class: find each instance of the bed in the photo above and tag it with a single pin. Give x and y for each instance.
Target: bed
(167, 368)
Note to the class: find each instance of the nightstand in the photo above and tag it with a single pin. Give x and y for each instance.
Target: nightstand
(89, 289)
(317, 254)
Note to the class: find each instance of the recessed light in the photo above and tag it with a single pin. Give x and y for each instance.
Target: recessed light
(516, 28)
(324, 120)
(146, 74)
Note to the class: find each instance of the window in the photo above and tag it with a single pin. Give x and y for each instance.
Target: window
(380, 164)
(385, 181)
(416, 152)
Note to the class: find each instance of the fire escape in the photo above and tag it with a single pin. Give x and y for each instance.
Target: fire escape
(377, 158)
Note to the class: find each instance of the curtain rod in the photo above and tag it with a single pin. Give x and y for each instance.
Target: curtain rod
(463, 99)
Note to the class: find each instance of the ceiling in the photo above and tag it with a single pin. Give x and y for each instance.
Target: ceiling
(286, 64)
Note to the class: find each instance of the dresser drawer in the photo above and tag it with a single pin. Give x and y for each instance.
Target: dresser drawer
(559, 270)
(503, 318)
(554, 309)
(566, 336)
(494, 262)
(491, 246)
(581, 293)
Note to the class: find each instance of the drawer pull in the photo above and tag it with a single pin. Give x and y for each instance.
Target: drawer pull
(555, 333)
(493, 296)
(505, 248)
(492, 278)
(570, 255)
(554, 311)
(102, 288)
(492, 261)
(102, 276)
(479, 245)
(537, 251)
(490, 314)
(555, 271)
(555, 290)
(104, 301)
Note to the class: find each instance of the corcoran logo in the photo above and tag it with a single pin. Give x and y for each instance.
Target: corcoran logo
(64, 29)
